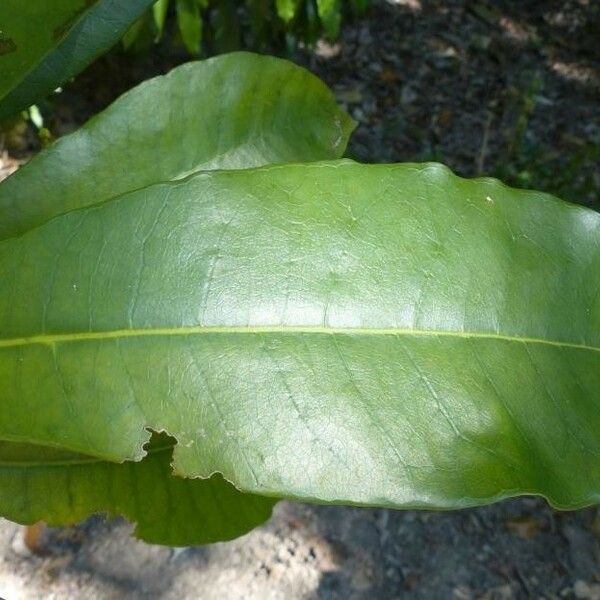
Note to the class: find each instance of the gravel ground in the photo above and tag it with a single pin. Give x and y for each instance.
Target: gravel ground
(505, 88)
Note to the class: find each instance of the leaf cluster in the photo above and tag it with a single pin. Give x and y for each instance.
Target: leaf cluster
(209, 310)
(217, 26)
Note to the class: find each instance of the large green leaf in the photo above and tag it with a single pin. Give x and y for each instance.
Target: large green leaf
(391, 335)
(61, 487)
(44, 43)
(235, 111)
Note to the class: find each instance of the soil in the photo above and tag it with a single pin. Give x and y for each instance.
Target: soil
(502, 88)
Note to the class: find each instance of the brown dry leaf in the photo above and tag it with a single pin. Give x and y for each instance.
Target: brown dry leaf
(444, 117)
(33, 538)
(524, 527)
(389, 75)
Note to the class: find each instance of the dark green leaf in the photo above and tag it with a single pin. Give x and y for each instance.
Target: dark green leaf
(61, 488)
(53, 41)
(20, 51)
(226, 26)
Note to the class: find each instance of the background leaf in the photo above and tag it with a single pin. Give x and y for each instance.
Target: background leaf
(330, 15)
(235, 111)
(20, 51)
(53, 42)
(287, 9)
(159, 11)
(61, 488)
(190, 24)
(226, 27)
(385, 334)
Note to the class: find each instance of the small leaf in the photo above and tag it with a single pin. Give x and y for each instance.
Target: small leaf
(287, 9)
(330, 15)
(360, 6)
(190, 24)
(262, 24)
(21, 49)
(312, 30)
(226, 27)
(134, 33)
(159, 11)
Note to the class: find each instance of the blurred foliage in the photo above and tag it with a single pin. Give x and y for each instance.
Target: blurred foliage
(571, 175)
(567, 169)
(216, 26)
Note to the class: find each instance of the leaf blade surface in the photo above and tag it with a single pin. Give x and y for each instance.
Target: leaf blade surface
(387, 334)
(235, 111)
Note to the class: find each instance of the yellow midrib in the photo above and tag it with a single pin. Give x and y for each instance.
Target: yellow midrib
(117, 334)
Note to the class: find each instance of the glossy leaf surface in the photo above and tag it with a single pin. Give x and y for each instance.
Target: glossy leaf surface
(232, 112)
(388, 334)
(47, 43)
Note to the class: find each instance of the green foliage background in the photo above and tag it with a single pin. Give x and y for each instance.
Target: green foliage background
(216, 26)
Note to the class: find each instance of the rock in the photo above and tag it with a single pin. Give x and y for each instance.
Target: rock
(501, 592)
(408, 95)
(586, 591)
(462, 592)
(18, 545)
(583, 552)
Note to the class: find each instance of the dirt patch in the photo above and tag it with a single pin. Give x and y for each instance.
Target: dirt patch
(515, 549)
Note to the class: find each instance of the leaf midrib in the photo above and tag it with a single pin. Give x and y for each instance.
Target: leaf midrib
(117, 334)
